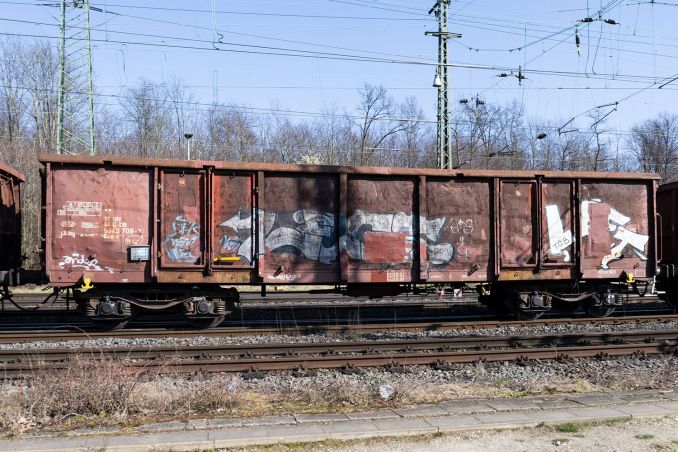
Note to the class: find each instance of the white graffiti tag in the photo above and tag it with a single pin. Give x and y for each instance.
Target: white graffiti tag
(77, 260)
(181, 245)
(559, 239)
(617, 224)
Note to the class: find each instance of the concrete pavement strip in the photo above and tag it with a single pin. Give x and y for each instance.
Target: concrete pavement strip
(475, 414)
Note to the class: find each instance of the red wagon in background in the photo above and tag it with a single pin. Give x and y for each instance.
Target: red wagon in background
(10, 225)
(667, 207)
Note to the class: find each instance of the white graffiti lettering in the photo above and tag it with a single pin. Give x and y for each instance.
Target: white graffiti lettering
(461, 226)
(559, 239)
(77, 260)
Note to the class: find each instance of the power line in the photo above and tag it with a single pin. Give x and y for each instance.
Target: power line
(260, 111)
(340, 57)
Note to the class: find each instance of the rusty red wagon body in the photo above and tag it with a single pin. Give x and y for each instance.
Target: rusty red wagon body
(10, 224)
(207, 225)
(667, 208)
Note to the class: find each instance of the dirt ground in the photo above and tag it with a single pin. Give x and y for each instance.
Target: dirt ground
(652, 434)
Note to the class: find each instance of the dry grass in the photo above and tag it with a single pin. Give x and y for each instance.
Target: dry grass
(340, 395)
(106, 391)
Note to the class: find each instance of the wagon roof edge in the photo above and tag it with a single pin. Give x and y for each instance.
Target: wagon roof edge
(281, 167)
(668, 186)
(12, 172)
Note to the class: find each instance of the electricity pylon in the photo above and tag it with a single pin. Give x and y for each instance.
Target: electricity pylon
(441, 82)
(75, 99)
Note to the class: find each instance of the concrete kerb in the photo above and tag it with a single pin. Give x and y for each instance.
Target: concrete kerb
(428, 419)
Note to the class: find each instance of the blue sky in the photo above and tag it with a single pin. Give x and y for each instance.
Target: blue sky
(616, 61)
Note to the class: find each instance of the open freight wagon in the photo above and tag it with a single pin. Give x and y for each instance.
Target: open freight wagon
(10, 226)
(667, 207)
(129, 233)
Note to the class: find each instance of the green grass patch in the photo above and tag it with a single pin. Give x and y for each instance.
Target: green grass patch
(644, 436)
(570, 427)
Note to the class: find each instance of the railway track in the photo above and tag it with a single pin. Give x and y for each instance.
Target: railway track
(7, 337)
(283, 356)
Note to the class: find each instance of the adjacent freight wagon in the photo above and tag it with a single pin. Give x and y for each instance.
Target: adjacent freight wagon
(667, 207)
(10, 225)
(129, 233)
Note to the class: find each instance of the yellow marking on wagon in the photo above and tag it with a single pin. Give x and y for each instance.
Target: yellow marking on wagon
(87, 283)
(226, 259)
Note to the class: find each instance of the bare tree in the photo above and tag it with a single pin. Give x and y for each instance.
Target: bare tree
(148, 110)
(182, 104)
(331, 135)
(230, 133)
(654, 144)
(415, 136)
(41, 80)
(12, 94)
(375, 122)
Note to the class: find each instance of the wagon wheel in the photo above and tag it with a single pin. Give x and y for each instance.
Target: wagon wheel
(595, 307)
(599, 311)
(206, 323)
(528, 315)
(672, 302)
(112, 324)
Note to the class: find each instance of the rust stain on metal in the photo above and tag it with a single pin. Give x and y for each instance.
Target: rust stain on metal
(518, 223)
(385, 247)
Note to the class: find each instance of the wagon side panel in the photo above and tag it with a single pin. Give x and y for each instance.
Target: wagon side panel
(10, 220)
(299, 225)
(457, 230)
(96, 215)
(381, 230)
(617, 229)
(667, 206)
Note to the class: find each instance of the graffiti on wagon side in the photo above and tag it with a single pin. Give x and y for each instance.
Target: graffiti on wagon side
(611, 231)
(78, 260)
(305, 232)
(182, 245)
(379, 238)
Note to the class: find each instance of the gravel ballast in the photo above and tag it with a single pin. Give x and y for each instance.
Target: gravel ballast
(170, 341)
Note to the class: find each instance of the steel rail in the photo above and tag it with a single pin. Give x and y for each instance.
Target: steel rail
(291, 329)
(245, 357)
(439, 358)
(426, 344)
